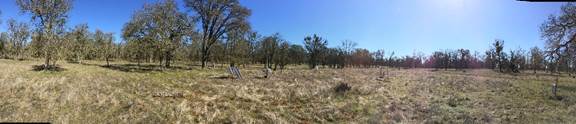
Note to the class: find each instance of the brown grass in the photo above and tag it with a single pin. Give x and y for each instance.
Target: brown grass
(94, 94)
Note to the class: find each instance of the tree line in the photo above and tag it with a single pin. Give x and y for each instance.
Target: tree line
(217, 31)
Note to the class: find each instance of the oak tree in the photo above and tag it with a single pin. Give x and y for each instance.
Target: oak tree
(316, 46)
(216, 17)
(49, 17)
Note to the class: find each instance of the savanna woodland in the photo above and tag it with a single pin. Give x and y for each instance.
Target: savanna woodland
(201, 61)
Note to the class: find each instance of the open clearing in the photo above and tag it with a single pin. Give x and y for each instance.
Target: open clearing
(94, 94)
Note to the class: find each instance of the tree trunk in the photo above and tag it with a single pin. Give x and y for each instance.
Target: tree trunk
(139, 59)
(275, 66)
(160, 61)
(555, 84)
(18, 54)
(204, 58)
(107, 62)
(500, 67)
(150, 58)
(53, 62)
(168, 59)
(78, 59)
(47, 62)
(203, 63)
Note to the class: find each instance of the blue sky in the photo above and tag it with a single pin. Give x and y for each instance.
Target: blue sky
(403, 26)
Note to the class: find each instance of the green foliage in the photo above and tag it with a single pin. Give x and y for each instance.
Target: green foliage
(158, 29)
(4, 43)
(536, 58)
(335, 58)
(297, 54)
(19, 33)
(79, 43)
(282, 58)
(50, 17)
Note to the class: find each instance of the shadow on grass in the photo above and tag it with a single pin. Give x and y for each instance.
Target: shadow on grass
(53, 68)
(194, 64)
(84, 63)
(567, 88)
(224, 77)
(143, 68)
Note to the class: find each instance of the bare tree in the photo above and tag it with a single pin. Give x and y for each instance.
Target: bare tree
(216, 17)
(464, 58)
(499, 55)
(348, 46)
(282, 55)
(558, 31)
(315, 46)
(268, 49)
(379, 57)
(4, 45)
(238, 45)
(19, 33)
(253, 38)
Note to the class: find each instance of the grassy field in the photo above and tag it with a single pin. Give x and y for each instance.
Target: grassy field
(123, 93)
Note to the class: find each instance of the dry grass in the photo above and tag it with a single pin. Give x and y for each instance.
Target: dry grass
(94, 94)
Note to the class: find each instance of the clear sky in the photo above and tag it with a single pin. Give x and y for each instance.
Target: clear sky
(403, 26)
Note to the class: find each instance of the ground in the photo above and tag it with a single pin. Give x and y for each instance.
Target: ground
(125, 93)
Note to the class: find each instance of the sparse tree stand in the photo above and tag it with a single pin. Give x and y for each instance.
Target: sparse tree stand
(50, 18)
(268, 49)
(80, 43)
(156, 31)
(18, 33)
